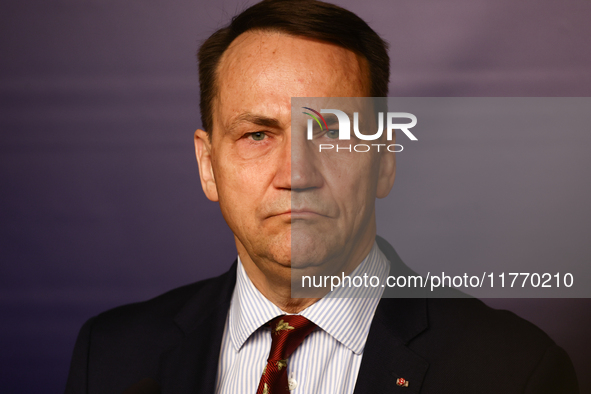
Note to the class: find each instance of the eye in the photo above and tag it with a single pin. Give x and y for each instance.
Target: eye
(257, 136)
(331, 133)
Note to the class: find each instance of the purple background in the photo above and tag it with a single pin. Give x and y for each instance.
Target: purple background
(101, 203)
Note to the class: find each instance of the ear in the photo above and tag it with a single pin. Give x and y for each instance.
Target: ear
(203, 153)
(387, 173)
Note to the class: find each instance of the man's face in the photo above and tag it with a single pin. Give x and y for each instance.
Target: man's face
(249, 167)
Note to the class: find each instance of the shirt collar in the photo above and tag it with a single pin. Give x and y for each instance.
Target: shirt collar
(345, 313)
(249, 309)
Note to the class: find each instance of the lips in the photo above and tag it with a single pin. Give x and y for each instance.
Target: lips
(301, 213)
(304, 211)
(301, 209)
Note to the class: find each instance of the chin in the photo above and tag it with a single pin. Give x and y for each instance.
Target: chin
(277, 252)
(309, 249)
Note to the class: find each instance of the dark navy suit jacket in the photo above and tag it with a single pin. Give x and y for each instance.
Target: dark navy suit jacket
(451, 345)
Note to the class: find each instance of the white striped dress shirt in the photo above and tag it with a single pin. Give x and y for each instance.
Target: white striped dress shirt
(326, 362)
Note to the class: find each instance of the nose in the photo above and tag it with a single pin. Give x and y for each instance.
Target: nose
(298, 168)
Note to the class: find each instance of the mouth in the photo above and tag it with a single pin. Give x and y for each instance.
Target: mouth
(301, 214)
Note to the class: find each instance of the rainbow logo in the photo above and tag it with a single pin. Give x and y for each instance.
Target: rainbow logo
(325, 127)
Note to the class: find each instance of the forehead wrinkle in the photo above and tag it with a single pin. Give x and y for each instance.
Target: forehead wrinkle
(256, 119)
(352, 65)
(229, 61)
(353, 68)
(224, 67)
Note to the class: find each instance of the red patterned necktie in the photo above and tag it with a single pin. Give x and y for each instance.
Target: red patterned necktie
(287, 332)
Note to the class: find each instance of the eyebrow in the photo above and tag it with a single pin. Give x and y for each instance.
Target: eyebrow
(258, 120)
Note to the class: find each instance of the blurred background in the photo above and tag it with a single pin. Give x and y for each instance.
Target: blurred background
(100, 200)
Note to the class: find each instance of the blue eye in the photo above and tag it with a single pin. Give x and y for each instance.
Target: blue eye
(331, 133)
(258, 136)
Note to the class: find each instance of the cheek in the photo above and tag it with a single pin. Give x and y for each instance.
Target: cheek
(242, 183)
(235, 197)
(352, 181)
(348, 169)
(250, 152)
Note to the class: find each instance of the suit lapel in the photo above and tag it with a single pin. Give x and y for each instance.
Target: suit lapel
(386, 356)
(191, 366)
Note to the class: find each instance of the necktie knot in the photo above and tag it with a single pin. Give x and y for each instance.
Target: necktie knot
(288, 332)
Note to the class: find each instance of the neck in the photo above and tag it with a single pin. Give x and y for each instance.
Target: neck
(273, 280)
(274, 283)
